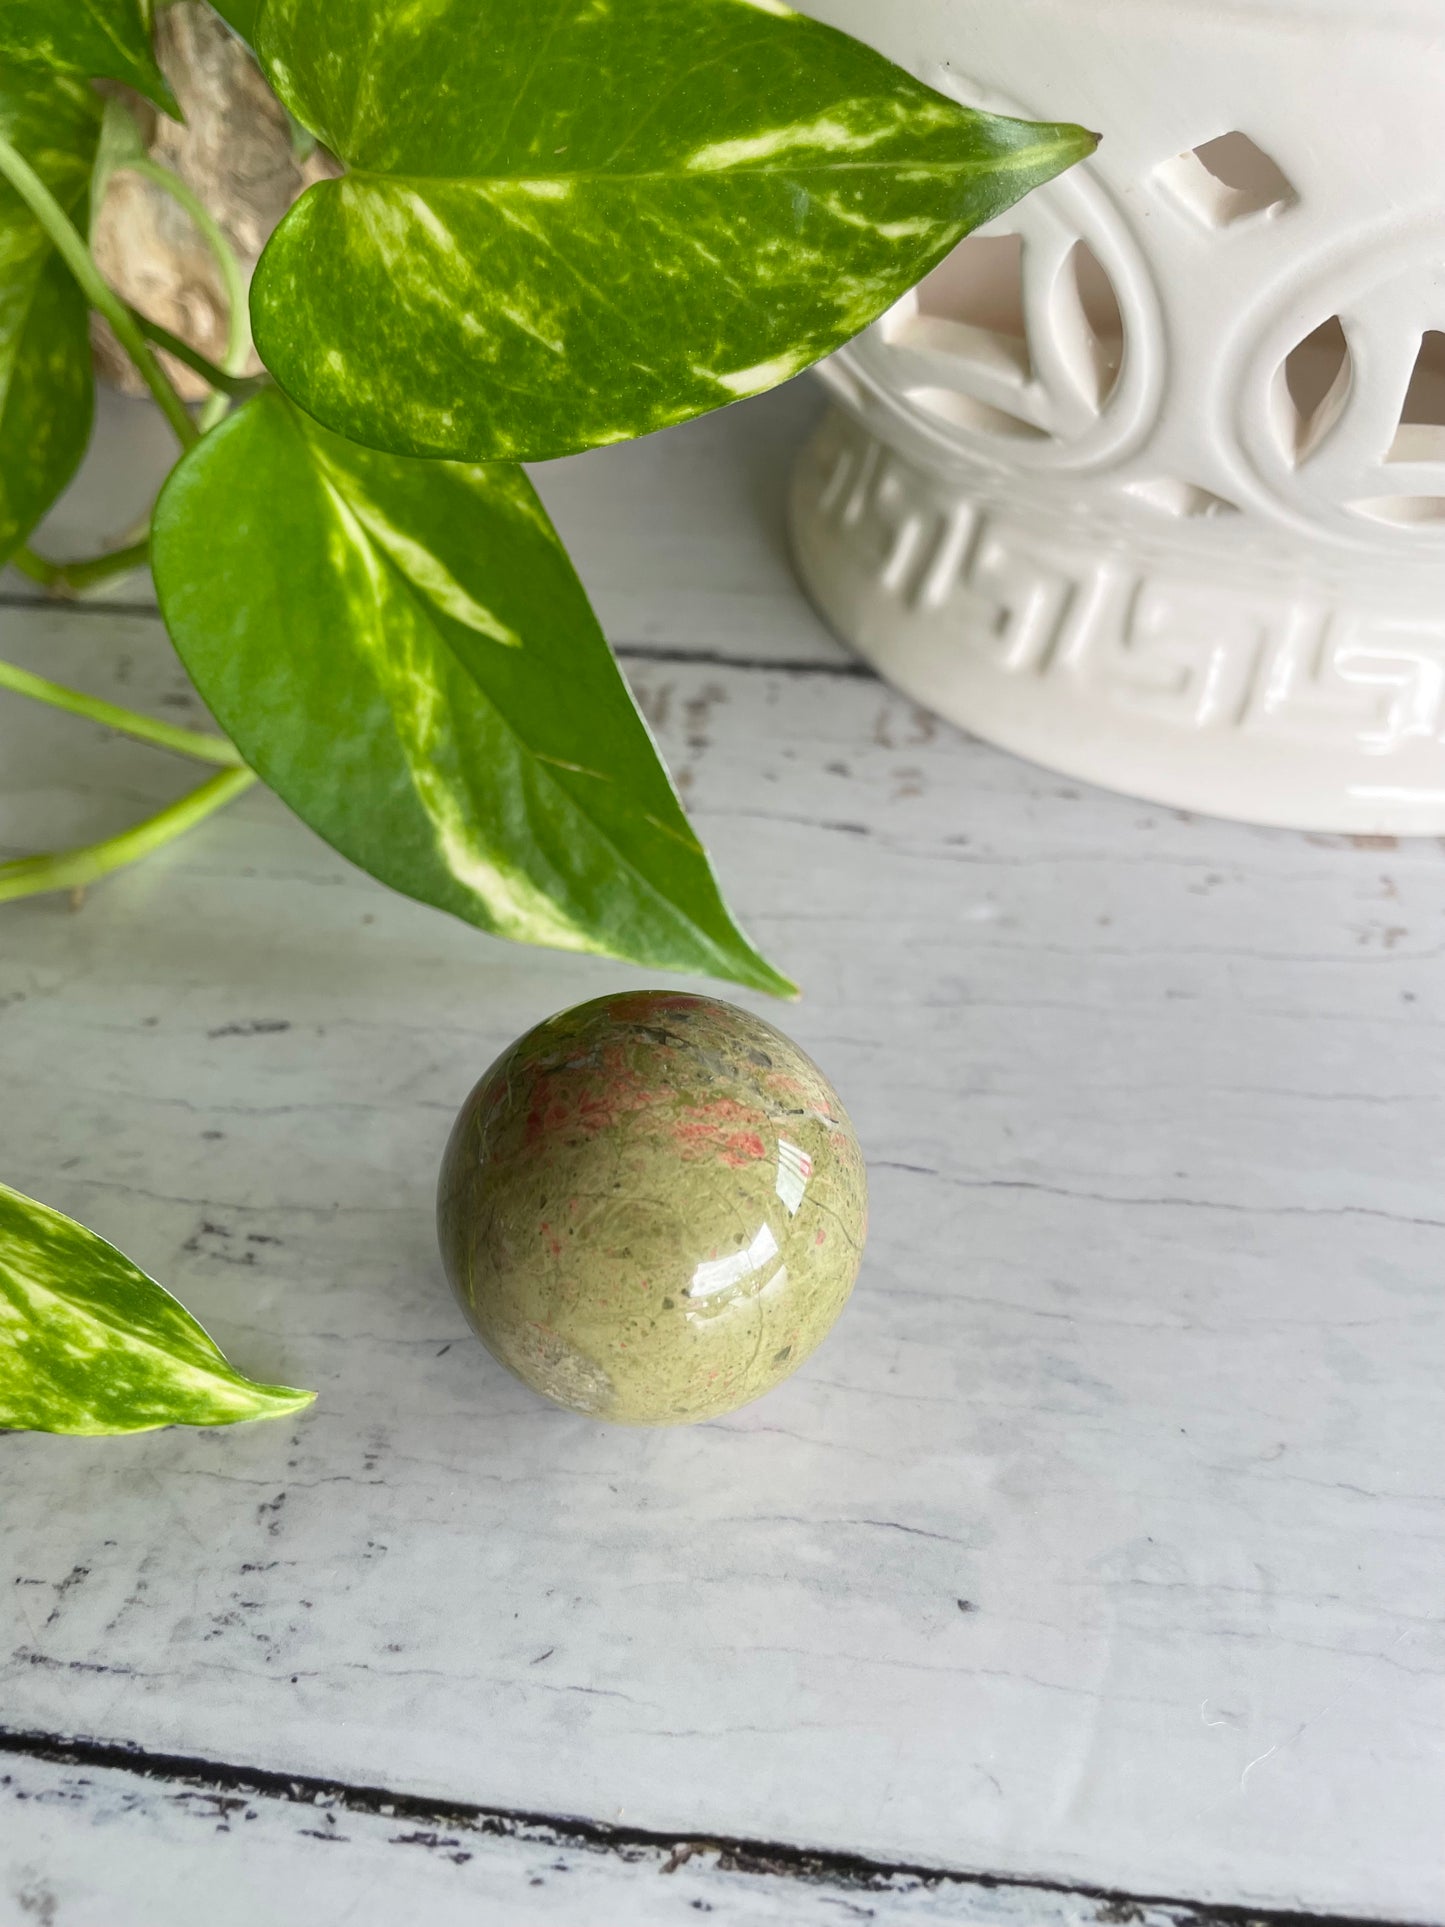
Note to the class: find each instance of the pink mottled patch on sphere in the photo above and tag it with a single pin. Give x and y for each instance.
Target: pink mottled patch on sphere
(651, 1207)
(724, 1129)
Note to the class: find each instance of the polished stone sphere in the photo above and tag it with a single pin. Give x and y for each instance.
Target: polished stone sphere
(653, 1208)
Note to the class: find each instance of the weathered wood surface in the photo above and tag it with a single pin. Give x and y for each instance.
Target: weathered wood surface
(681, 538)
(116, 1847)
(1101, 1544)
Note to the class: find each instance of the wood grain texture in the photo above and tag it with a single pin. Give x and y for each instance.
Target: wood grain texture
(124, 1846)
(680, 538)
(1100, 1543)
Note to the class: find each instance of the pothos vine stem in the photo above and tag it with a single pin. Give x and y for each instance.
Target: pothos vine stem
(69, 578)
(33, 876)
(75, 869)
(201, 744)
(101, 296)
(238, 344)
(239, 387)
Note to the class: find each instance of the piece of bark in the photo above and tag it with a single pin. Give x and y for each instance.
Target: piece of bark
(237, 151)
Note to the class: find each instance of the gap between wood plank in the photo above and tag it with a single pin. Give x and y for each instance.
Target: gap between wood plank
(823, 1868)
(624, 651)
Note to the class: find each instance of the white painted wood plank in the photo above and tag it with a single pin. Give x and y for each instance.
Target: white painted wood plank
(1144, 1366)
(680, 538)
(82, 1847)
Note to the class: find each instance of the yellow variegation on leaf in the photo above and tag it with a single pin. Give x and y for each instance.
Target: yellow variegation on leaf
(92, 39)
(47, 389)
(90, 1345)
(403, 651)
(566, 225)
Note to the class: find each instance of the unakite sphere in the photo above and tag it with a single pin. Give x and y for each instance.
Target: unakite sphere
(653, 1208)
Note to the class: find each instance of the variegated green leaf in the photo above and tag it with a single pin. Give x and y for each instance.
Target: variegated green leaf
(90, 1345)
(402, 650)
(566, 224)
(94, 39)
(47, 390)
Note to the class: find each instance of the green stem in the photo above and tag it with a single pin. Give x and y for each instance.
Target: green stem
(103, 298)
(33, 565)
(201, 744)
(33, 876)
(238, 344)
(241, 386)
(69, 578)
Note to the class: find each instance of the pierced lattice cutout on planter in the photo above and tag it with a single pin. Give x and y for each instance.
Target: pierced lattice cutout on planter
(1421, 434)
(968, 318)
(971, 308)
(1186, 500)
(1088, 325)
(1404, 511)
(1312, 389)
(995, 350)
(1226, 180)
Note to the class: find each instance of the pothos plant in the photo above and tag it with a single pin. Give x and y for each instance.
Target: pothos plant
(555, 227)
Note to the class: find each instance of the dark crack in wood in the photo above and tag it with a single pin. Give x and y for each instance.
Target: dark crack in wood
(443, 1824)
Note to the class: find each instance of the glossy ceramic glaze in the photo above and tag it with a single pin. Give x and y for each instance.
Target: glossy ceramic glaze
(1147, 482)
(653, 1208)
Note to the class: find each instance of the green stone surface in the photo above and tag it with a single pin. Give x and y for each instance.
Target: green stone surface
(653, 1208)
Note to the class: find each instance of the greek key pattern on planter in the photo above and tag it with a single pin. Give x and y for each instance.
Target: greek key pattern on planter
(1163, 497)
(1156, 642)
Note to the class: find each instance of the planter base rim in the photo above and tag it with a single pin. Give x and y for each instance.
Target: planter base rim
(1295, 712)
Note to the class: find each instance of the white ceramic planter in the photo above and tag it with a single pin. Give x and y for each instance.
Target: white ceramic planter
(1148, 482)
